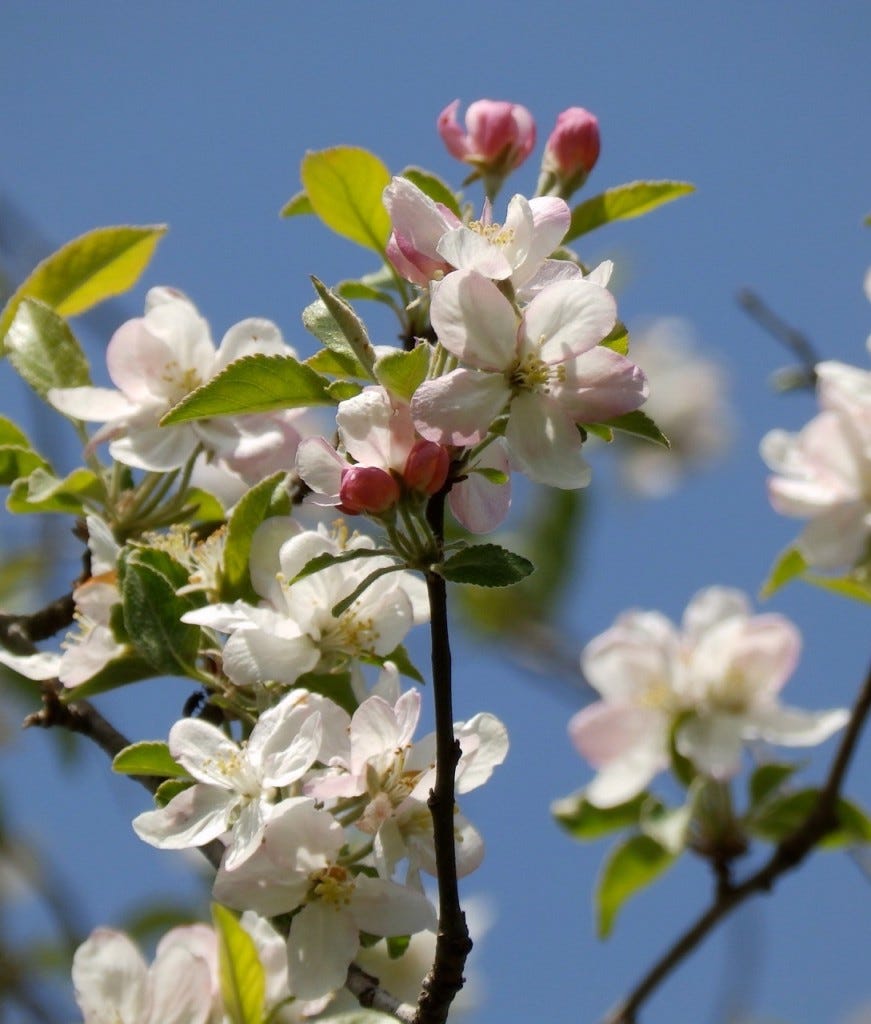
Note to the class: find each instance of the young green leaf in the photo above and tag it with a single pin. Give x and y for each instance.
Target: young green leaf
(486, 565)
(297, 206)
(847, 586)
(622, 203)
(327, 558)
(269, 498)
(403, 372)
(342, 606)
(169, 789)
(618, 339)
(42, 491)
(767, 779)
(639, 424)
(243, 980)
(148, 757)
(779, 818)
(350, 325)
(586, 822)
(255, 383)
(17, 457)
(630, 867)
(43, 349)
(345, 185)
(87, 270)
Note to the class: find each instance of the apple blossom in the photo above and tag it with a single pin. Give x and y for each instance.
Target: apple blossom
(571, 152)
(293, 631)
(113, 985)
(418, 224)
(157, 360)
(548, 372)
(499, 135)
(236, 785)
(823, 472)
(720, 675)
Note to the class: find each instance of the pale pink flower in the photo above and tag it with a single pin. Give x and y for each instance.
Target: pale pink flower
(418, 225)
(548, 372)
(113, 983)
(154, 362)
(823, 472)
(496, 133)
(723, 670)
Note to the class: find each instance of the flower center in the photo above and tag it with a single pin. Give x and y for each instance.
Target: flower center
(180, 382)
(495, 234)
(333, 885)
(531, 373)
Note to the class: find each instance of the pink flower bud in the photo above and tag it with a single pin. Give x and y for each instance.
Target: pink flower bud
(496, 132)
(367, 489)
(573, 146)
(426, 467)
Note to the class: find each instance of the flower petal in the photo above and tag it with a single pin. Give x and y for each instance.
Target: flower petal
(545, 444)
(459, 407)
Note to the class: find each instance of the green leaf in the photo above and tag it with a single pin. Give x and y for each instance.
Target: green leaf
(17, 457)
(255, 383)
(42, 491)
(622, 203)
(403, 372)
(91, 268)
(152, 611)
(169, 789)
(43, 349)
(337, 357)
(846, 586)
(789, 564)
(243, 980)
(335, 685)
(767, 779)
(630, 867)
(399, 657)
(268, 499)
(585, 821)
(342, 390)
(486, 565)
(618, 339)
(350, 326)
(297, 205)
(345, 186)
(356, 289)
(327, 558)
(780, 818)
(342, 606)
(149, 757)
(639, 424)
(433, 186)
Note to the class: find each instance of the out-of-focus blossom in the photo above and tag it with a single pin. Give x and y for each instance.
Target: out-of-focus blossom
(570, 153)
(498, 135)
(548, 371)
(722, 671)
(823, 472)
(154, 362)
(688, 402)
(113, 983)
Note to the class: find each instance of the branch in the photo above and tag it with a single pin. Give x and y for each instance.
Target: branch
(453, 945)
(793, 340)
(788, 854)
(366, 989)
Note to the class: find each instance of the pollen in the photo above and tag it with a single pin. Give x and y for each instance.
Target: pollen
(495, 234)
(333, 885)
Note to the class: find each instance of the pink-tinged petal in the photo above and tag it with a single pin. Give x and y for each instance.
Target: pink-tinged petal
(790, 727)
(713, 743)
(451, 132)
(181, 988)
(458, 408)
(110, 979)
(94, 405)
(418, 222)
(323, 941)
(376, 431)
(550, 222)
(186, 334)
(478, 503)
(545, 444)
(254, 335)
(567, 319)
(765, 653)
(387, 908)
(193, 818)
(633, 658)
(474, 321)
(550, 272)
(837, 537)
(600, 384)
(468, 250)
(623, 780)
(605, 732)
(135, 359)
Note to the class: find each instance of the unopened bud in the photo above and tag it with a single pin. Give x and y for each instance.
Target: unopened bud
(426, 467)
(572, 150)
(367, 489)
(496, 131)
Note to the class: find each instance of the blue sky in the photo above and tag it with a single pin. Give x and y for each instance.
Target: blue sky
(197, 115)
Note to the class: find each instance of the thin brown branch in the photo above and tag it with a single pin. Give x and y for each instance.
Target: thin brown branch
(366, 989)
(453, 944)
(788, 336)
(788, 854)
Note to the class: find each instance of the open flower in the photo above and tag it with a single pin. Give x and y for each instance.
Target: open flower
(154, 362)
(548, 372)
(721, 673)
(823, 472)
(236, 785)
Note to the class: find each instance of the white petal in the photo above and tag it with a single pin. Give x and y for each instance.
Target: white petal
(247, 833)
(387, 908)
(486, 740)
(545, 444)
(181, 987)
(193, 818)
(568, 318)
(475, 322)
(91, 404)
(109, 977)
(790, 727)
(459, 407)
(206, 752)
(713, 743)
(323, 941)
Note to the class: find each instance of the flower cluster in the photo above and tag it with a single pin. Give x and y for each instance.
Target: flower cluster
(709, 688)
